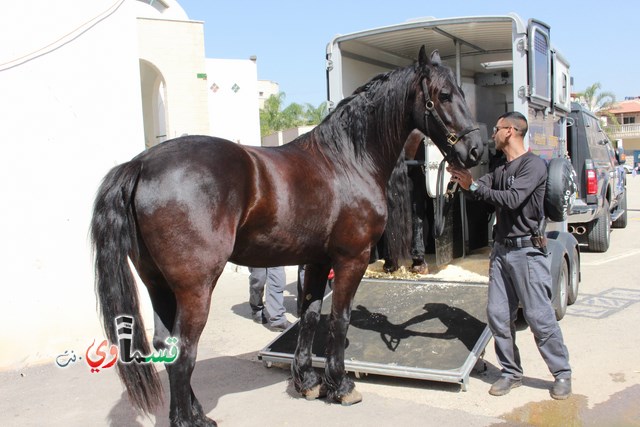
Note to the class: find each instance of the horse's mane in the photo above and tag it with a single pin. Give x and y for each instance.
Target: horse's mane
(375, 114)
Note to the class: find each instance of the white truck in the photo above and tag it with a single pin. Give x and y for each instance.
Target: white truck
(502, 64)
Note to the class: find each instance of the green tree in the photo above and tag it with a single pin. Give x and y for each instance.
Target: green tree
(293, 116)
(273, 117)
(271, 114)
(596, 100)
(314, 115)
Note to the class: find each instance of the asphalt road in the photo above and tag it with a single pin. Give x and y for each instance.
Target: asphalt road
(236, 389)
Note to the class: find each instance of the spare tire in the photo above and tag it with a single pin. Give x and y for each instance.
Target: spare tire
(560, 190)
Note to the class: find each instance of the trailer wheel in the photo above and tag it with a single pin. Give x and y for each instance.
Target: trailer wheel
(563, 285)
(574, 277)
(599, 233)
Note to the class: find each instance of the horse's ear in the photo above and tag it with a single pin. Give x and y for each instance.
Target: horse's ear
(422, 57)
(435, 58)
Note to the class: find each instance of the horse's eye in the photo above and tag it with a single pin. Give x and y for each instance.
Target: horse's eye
(445, 97)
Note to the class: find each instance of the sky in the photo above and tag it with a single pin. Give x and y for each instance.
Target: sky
(289, 37)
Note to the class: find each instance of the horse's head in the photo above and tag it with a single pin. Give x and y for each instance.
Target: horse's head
(442, 113)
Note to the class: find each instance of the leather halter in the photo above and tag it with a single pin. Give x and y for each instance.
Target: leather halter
(452, 138)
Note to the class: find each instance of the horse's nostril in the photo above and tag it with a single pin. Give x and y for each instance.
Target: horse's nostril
(473, 153)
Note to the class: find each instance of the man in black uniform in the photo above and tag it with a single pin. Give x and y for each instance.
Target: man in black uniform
(519, 271)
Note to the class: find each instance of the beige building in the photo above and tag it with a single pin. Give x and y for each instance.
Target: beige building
(627, 128)
(266, 88)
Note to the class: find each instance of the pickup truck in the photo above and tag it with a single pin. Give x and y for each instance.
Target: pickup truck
(601, 199)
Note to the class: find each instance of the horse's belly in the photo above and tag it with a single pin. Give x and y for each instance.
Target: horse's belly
(259, 249)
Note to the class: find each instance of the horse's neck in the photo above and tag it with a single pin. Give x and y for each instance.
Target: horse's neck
(387, 157)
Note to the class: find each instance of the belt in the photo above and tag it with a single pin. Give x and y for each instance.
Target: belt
(517, 242)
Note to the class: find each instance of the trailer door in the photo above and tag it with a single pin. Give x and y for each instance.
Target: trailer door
(539, 63)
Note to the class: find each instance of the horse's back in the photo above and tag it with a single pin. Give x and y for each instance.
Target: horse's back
(191, 152)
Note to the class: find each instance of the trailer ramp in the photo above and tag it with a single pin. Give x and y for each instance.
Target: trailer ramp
(429, 330)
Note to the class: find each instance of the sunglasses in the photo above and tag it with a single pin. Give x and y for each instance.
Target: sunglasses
(498, 128)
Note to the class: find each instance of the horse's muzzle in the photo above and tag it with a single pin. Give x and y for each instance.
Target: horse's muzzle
(467, 153)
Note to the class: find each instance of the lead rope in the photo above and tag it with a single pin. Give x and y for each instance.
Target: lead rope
(442, 201)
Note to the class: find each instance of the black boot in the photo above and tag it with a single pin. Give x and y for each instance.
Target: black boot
(504, 386)
(561, 388)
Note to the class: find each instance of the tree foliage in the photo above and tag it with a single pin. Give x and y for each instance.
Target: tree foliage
(273, 117)
(596, 100)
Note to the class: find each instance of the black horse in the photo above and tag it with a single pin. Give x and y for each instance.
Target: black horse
(180, 210)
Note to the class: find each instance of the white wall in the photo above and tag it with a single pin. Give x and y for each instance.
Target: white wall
(70, 109)
(234, 114)
(67, 117)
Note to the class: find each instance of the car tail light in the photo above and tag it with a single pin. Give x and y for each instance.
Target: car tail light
(592, 182)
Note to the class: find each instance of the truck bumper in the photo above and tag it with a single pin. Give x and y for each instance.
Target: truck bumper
(581, 213)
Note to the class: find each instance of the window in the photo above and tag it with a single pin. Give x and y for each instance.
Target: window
(628, 120)
(539, 59)
(541, 70)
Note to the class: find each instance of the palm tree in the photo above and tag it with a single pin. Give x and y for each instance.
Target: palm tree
(314, 115)
(271, 114)
(595, 100)
(293, 116)
(274, 118)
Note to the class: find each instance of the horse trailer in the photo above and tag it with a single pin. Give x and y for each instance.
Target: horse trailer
(502, 64)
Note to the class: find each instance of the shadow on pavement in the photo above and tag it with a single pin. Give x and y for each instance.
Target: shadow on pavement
(212, 379)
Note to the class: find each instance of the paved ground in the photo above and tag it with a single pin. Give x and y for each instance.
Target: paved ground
(237, 390)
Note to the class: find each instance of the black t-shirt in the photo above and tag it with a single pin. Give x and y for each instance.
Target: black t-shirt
(516, 189)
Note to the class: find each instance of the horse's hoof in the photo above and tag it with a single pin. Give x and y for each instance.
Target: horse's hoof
(201, 421)
(390, 266)
(315, 392)
(352, 398)
(419, 267)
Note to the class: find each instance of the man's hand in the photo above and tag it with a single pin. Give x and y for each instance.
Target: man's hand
(460, 176)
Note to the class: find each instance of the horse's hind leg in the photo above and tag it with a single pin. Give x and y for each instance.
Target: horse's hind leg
(306, 380)
(164, 305)
(192, 310)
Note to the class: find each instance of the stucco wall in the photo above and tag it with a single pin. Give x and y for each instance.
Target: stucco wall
(67, 117)
(70, 109)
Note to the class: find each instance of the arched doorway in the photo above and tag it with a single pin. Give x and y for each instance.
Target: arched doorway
(154, 104)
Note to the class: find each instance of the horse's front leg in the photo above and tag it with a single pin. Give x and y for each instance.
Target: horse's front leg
(305, 379)
(340, 387)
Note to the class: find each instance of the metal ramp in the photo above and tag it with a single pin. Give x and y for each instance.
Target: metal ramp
(429, 330)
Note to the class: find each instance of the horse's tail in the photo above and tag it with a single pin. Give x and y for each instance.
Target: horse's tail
(114, 239)
(398, 228)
